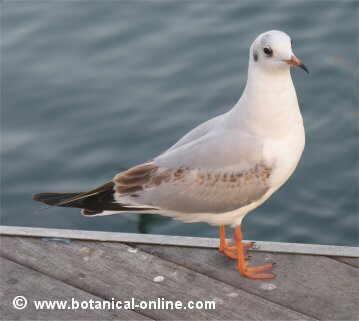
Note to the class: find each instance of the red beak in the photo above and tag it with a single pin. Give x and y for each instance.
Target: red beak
(294, 61)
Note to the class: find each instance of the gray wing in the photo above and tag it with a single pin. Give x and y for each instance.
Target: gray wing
(218, 172)
(197, 132)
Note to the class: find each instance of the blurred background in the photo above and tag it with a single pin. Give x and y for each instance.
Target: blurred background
(90, 88)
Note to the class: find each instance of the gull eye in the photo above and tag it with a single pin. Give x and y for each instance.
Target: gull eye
(268, 51)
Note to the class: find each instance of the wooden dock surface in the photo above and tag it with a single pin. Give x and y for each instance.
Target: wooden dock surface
(307, 287)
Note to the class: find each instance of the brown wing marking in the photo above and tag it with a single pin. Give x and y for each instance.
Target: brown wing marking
(134, 179)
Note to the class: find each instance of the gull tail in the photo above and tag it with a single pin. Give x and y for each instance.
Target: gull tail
(94, 202)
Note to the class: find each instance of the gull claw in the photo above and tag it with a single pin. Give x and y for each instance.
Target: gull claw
(252, 272)
(259, 276)
(231, 251)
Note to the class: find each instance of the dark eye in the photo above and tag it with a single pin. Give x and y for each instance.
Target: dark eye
(268, 51)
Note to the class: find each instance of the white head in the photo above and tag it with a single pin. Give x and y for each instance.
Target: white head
(272, 51)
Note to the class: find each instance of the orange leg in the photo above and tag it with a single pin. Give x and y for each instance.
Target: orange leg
(222, 239)
(230, 251)
(243, 268)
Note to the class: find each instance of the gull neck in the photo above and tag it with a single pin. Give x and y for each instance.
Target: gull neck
(269, 104)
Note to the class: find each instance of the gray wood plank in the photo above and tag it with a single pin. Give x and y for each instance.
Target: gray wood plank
(18, 280)
(117, 270)
(277, 247)
(316, 285)
(353, 261)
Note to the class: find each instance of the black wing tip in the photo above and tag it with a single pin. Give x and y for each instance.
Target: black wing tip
(41, 197)
(52, 198)
(44, 198)
(88, 212)
(38, 196)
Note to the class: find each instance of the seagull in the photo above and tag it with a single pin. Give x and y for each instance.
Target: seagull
(225, 167)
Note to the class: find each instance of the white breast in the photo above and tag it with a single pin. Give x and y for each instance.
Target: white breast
(285, 153)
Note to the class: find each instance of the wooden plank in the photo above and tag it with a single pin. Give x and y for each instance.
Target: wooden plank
(18, 280)
(276, 247)
(353, 261)
(120, 271)
(316, 285)
(312, 249)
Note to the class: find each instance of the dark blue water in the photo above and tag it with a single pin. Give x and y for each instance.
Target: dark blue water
(93, 87)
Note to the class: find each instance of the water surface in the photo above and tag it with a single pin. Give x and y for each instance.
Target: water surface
(92, 87)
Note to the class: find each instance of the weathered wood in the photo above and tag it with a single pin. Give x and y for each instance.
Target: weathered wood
(353, 261)
(19, 280)
(276, 247)
(117, 270)
(316, 285)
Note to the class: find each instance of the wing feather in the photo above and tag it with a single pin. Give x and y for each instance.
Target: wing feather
(210, 170)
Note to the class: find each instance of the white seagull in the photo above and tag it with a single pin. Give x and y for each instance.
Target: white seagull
(225, 167)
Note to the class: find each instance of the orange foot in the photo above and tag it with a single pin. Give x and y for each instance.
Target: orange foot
(239, 252)
(252, 272)
(231, 251)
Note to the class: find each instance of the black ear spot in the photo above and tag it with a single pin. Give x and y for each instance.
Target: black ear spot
(255, 56)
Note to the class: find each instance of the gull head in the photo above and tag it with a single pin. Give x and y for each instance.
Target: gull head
(272, 51)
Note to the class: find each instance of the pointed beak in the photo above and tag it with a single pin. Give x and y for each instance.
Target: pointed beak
(294, 61)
